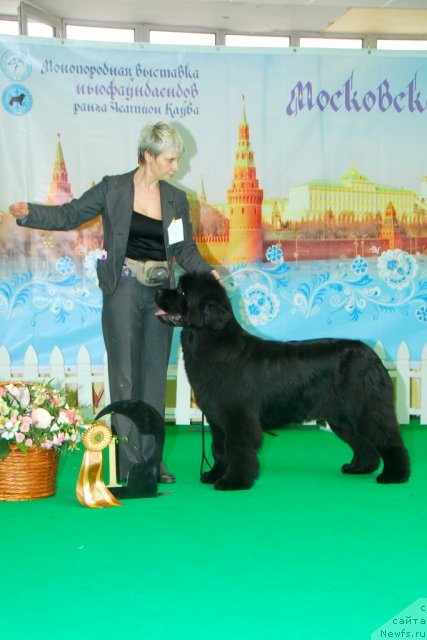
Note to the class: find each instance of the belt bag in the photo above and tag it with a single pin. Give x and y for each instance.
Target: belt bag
(152, 273)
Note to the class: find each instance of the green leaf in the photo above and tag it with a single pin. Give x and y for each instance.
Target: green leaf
(22, 447)
(4, 449)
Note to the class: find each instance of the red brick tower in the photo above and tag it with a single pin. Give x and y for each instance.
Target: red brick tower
(245, 203)
(390, 229)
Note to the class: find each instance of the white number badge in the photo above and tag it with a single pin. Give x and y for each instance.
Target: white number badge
(176, 231)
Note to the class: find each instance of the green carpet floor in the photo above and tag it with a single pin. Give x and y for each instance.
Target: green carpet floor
(308, 553)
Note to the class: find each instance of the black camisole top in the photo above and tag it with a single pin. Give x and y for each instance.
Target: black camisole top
(146, 240)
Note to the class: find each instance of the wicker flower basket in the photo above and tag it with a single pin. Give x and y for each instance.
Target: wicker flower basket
(29, 471)
(29, 475)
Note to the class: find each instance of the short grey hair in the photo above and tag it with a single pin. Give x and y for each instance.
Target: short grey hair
(159, 137)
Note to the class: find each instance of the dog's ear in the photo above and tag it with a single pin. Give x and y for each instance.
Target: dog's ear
(215, 316)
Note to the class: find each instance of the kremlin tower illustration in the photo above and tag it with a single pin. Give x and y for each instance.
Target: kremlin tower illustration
(76, 242)
(318, 220)
(59, 188)
(242, 241)
(390, 229)
(245, 203)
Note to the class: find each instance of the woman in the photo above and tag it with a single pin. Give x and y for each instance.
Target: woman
(146, 227)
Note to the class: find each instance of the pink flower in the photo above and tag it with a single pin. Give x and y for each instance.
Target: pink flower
(47, 444)
(25, 423)
(67, 415)
(28, 442)
(19, 437)
(41, 418)
(2, 391)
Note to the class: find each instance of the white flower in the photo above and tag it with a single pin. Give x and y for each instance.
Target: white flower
(15, 393)
(41, 396)
(8, 435)
(90, 264)
(41, 418)
(21, 396)
(397, 268)
(4, 408)
(259, 305)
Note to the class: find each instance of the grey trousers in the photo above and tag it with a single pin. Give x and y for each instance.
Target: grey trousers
(138, 348)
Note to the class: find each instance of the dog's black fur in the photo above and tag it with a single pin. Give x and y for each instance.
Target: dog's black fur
(246, 385)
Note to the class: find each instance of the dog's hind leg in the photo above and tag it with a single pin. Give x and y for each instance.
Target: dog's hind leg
(396, 463)
(384, 430)
(220, 466)
(366, 457)
(381, 426)
(241, 446)
(374, 444)
(396, 458)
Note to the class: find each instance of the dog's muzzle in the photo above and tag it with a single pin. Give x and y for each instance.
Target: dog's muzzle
(172, 319)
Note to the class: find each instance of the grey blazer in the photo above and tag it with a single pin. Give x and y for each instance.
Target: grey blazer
(112, 198)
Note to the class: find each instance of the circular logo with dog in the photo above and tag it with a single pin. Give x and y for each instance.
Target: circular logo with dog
(17, 100)
(15, 66)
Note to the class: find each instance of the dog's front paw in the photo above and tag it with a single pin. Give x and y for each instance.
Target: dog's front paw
(352, 468)
(211, 476)
(208, 477)
(233, 483)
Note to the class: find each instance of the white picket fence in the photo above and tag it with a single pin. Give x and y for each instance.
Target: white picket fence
(410, 381)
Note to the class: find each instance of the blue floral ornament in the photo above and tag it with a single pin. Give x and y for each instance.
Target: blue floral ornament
(65, 266)
(274, 254)
(259, 305)
(61, 307)
(421, 313)
(359, 265)
(397, 268)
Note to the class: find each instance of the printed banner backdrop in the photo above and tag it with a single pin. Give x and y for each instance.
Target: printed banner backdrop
(306, 173)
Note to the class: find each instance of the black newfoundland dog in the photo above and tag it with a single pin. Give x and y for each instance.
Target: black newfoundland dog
(245, 385)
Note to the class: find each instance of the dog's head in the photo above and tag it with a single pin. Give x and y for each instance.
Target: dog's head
(199, 302)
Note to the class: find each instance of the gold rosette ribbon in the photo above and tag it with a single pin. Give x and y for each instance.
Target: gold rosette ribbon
(91, 490)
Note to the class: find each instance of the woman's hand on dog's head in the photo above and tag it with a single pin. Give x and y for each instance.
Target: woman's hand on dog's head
(216, 275)
(18, 209)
